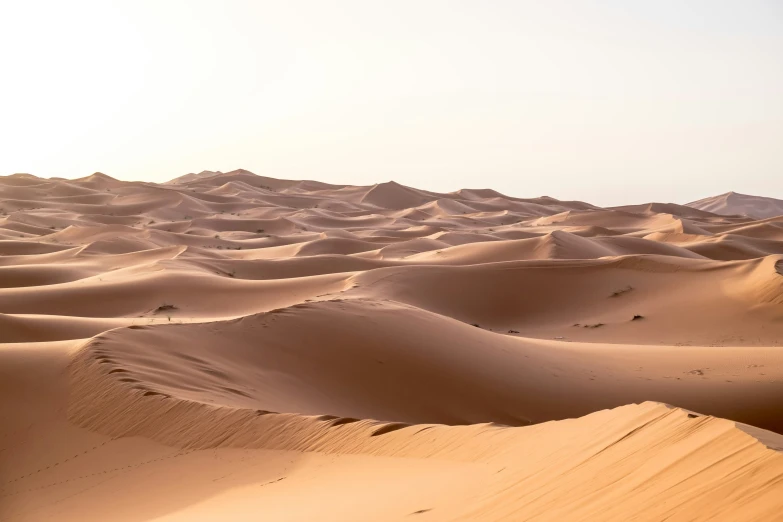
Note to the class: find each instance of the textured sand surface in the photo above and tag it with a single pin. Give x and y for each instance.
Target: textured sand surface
(228, 346)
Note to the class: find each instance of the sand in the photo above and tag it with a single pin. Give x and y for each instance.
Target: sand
(228, 346)
(733, 203)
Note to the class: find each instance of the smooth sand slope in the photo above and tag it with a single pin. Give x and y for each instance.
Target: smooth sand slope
(228, 346)
(733, 203)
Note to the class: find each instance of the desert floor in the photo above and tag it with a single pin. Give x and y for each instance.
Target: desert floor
(236, 347)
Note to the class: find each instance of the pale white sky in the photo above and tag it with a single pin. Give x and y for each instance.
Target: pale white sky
(612, 101)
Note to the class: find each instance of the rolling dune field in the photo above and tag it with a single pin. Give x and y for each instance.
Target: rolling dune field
(228, 346)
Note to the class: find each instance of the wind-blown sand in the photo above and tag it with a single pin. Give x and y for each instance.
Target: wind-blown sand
(228, 346)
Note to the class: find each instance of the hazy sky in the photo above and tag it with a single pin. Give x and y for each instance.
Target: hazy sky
(611, 101)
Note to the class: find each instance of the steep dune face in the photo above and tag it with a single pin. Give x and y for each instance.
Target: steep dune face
(229, 346)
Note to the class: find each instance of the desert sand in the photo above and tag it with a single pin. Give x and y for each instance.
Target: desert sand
(733, 203)
(227, 346)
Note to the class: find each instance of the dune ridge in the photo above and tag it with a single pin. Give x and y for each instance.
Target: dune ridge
(226, 346)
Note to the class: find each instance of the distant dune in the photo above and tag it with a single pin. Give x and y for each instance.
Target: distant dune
(193, 176)
(227, 346)
(734, 204)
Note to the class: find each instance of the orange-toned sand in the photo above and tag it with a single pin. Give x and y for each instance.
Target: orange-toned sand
(228, 346)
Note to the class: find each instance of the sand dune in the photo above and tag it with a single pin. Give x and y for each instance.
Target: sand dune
(228, 346)
(733, 203)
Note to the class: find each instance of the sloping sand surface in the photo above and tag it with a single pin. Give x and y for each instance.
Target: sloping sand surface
(733, 203)
(229, 346)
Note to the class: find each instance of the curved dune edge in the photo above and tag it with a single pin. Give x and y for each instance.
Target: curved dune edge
(647, 460)
(381, 359)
